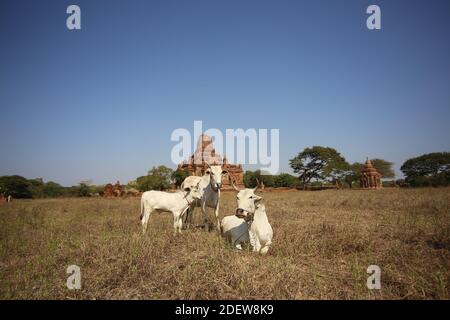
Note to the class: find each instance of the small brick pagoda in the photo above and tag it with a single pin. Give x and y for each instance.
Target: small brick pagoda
(113, 190)
(370, 177)
(205, 153)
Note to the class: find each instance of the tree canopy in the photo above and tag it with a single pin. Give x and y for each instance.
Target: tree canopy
(16, 186)
(158, 178)
(178, 176)
(285, 180)
(384, 168)
(319, 163)
(432, 169)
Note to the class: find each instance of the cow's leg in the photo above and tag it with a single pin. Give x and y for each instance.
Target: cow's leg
(186, 217)
(204, 213)
(177, 222)
(216, 213)
(180, 224)
(188, 220)
(264, 249)
(257, 246)
(145, 218)
(191, 212)
(253, 240)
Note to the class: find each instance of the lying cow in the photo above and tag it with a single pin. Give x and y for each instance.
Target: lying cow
(209, 186)
(177, 203)
(250, 214)
(235, 231)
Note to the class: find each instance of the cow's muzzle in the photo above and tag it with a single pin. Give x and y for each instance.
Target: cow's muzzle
(240, 213)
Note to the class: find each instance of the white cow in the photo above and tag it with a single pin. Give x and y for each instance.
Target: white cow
(250, 209)
(209, 185)
(235, 231)
(177, 203)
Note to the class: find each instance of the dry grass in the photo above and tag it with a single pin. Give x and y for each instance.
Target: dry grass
(323, 243)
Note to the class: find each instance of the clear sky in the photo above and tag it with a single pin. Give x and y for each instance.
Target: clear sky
(100, 103)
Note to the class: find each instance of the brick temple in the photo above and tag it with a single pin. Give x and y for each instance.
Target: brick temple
(205, 153)
(370, 177)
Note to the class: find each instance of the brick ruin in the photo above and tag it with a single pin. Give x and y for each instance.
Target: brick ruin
(113, 190)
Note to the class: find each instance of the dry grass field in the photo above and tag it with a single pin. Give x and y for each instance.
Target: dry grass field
(323, 243)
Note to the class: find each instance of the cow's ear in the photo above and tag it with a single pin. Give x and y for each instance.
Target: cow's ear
(257, 198)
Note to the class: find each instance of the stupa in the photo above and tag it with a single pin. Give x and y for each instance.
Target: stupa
(370, 177)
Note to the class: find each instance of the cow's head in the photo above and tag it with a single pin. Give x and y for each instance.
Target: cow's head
(215, 173)
(193, 191)
(247, 202)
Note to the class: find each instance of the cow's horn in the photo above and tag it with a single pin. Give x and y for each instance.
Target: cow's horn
(257, 185)
(233, 185)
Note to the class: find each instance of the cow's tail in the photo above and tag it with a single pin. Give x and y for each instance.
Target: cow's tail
(142, 209)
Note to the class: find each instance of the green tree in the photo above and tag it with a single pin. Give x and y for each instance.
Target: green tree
(268, 180)
(151, 182)
(317, 163)
(37, 187)
(52, 190)
(431, 169)
(384, 168)
(73, 191)
(158, 178)
(133, 184)
(340, 173)
(162, 171)
(251, 177)
(178, 176)
(16, 186)
(83, 189)
(285, 180)
(353, 174)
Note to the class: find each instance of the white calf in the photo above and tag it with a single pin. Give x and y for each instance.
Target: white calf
(177, 203)
(249, 208)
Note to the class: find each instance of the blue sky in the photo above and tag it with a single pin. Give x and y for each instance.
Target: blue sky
(101, 103)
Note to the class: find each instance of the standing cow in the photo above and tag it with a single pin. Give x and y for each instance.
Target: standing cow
(209, 185)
